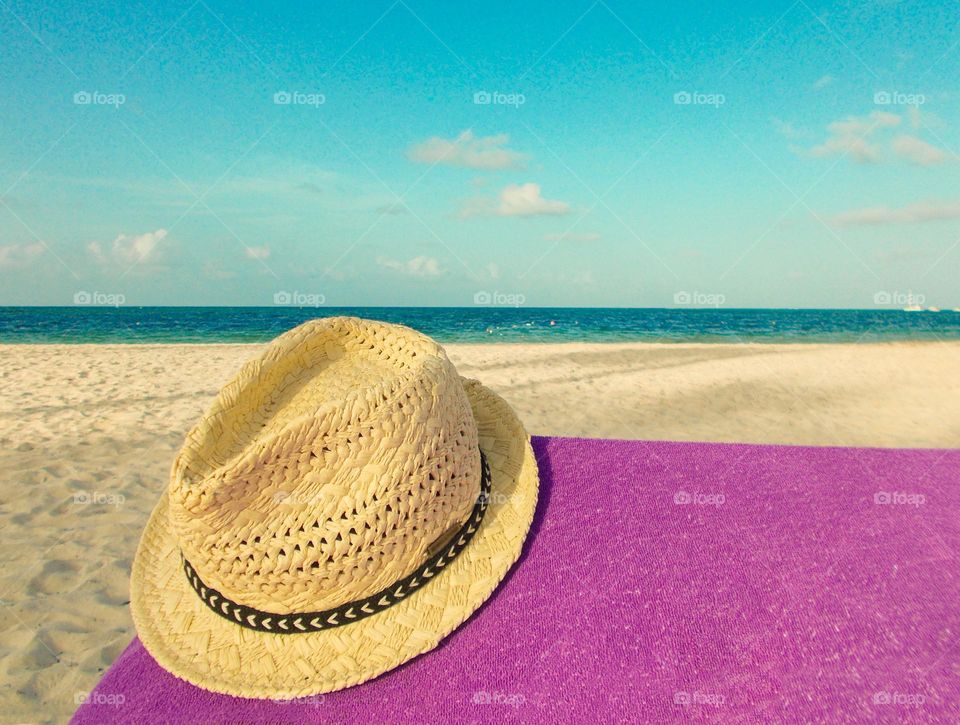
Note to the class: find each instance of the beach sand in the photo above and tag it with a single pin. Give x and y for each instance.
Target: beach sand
(88, 433)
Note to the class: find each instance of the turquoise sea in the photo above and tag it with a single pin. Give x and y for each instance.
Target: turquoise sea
(86, 324)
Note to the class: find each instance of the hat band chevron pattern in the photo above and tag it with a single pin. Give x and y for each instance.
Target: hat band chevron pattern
(351, 612)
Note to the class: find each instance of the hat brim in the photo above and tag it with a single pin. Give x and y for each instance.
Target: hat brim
(190, 641)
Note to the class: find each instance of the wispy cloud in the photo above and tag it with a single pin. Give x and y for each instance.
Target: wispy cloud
(822, 82)
(921, 211)
(14, 255)
(917, 151)
(468, 151)
(416, 267)
(787, 129)
(129, 249)
(258, 252)
(572, 237)
(851, 136)
(861, 138)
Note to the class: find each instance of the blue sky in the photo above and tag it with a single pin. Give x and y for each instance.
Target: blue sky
(764, 154)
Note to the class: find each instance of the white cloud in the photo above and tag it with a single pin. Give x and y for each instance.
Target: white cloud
(258, 252)
(525, 200)
(572, 237)
(469, 151)
(917, 151)
(13, 255)
(416, 267)
(850, 136)
(921, 211)
(515, 200)
(129, 249)
(823, 82)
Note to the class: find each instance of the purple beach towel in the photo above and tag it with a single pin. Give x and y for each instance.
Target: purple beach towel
(670, 582)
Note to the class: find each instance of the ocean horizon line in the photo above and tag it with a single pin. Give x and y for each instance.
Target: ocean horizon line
(249, 324)
(685, 308)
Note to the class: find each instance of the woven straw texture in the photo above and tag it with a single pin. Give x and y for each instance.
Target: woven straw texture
(329, 468)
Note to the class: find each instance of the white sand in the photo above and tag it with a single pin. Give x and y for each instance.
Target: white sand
(88, 433)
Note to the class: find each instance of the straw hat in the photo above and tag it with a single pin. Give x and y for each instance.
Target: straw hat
(346, 503)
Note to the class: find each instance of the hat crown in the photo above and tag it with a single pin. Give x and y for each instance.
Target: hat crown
(328, 468)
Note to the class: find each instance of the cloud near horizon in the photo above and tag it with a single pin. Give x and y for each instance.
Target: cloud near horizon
(922, 211)
(417, 267)
(572, 237)
(129, 249)
(13, 255)
(468, 151)
(260, 253)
